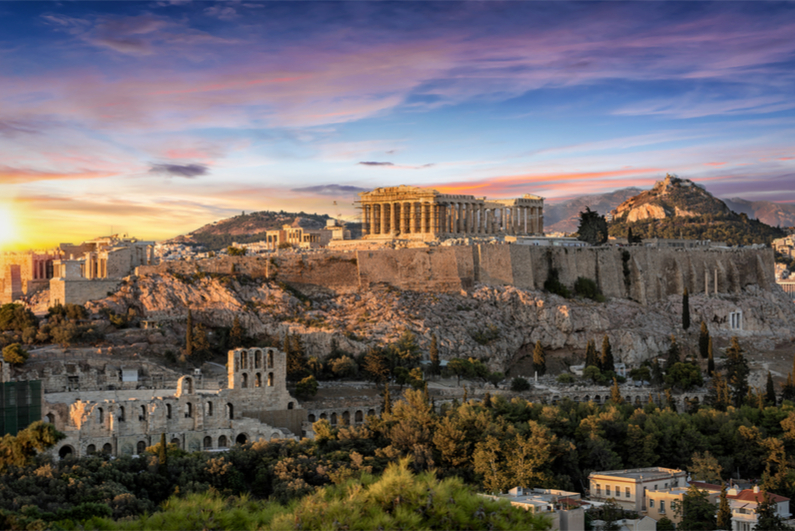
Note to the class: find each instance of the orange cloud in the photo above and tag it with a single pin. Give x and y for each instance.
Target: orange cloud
(9, 175)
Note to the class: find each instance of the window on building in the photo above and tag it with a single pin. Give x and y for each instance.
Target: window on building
(662, 506)
(168, 411)
(627, 492)
(607, 490)
(651, 503)
(598, 489)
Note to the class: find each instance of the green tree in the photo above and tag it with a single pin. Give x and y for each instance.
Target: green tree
(607, 364)
(20, 449)
(592, 373)
(767, 516)
(237, 335)
(703, 341)
(591, 359)
(376, 365)
(724, 516)
(656, 373)
(666, 524)
(236, 251)
(296, 361)
(719, 396)
(16, 317)
(306, 388)
(201, 346)
(673, 354)
(387, 400)
(684, 376)
(15, 354)
(433, 353)
(539, 359)
(706, 468)
(592, 228)
(737, 371)
(770, 390)
(685, 310)
(162, 455)
(460, 368)
(189, 336)
(344, 367)
(696, 511)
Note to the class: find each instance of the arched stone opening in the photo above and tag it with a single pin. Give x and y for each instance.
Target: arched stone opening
(222, 442)
(244, 360)
(188, 386)
(333, 419)
(107, 448)
(358, 417)
(101, 415)
(121, 414)
(270, 379)
(168, 411)
(258, 380)
(188, 410)
(245, 380)
(208, 442)
(270, 359)
(346, 418)
(258, 359)
(290, 405)
(371, 412)
(323, 416)
(142, 414)
(140, 447)
(50, 418)
(230, 410)
(175, 441)
(91, 449)
(241, 439)
(66, 451)
(311, 418)
(209, 409)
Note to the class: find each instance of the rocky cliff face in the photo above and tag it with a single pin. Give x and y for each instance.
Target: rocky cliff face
(513, 318)
(670, 198)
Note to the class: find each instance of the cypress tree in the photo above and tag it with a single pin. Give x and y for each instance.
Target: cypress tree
(615, 393)
(607, 356)
(737, 372)
(189, 336)
(669, 398)
(685, 310)
(724, 517)
(629, 236)
(466, 394)
(703, 341)
(539, 359)
(236, 334)
(387, 399)
(434, 355)
(710, 359)
(590, 354)
(162, 455)
(656, 373)
(770, 390)
(487, 399)
(788, 389)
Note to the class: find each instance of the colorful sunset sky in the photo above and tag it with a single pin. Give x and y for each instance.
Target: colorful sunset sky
(154, 118)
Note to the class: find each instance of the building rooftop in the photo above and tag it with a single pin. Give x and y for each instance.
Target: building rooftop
(748, 495)
(638, 473)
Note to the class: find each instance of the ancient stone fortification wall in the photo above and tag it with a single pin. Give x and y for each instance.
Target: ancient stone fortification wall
(639, 273)
(80, 291)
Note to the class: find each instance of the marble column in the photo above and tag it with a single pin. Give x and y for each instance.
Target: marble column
(393, 229)
(413, 217)
(434, 216)
(404, 218)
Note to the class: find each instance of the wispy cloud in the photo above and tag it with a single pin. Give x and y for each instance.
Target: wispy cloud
(188, 171)
(330, 190)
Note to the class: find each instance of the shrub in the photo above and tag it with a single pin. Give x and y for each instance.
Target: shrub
(565, 378)
(553, 285)
(586, 287)
(520, 384)
(306, 388)
(15, 354)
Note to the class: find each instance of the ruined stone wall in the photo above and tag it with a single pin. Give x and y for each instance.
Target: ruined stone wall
(254, 266)
(335, 271)
(80, 291)
(421, 269)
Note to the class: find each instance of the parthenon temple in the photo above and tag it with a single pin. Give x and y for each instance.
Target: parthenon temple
(408, 212)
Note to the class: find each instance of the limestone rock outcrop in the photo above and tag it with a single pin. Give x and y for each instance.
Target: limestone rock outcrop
(670, 197)
(515, 318)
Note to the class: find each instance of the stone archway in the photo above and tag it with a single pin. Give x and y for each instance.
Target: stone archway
(241, 439)
(66, 451)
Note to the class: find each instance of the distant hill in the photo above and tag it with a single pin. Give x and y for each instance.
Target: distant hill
(679, 208)
(564, 216)
(247, 228)
(773, 214)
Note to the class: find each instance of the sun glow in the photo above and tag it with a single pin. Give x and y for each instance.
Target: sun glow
(8, 227)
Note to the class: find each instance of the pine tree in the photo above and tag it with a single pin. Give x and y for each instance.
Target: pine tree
(719, 396)
(539, 359)
(607, 356)
(615, 392)
(590, 354)
(724, 513)
(296, 362)
(788, 389)
(162, 455)
(770, 390)
(201, 343)
(669, 399)
(189, 336)
(436, 364)
(673, 354)
(710, 359)
(236, 334)
(487, 399)
(656, 373)
(737, 371)
(703, 341)
(685, 310)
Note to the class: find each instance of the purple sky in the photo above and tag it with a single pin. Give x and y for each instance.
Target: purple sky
(157, 117)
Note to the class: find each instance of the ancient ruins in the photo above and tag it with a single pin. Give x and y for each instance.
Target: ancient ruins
(254, 405)
(408, 212)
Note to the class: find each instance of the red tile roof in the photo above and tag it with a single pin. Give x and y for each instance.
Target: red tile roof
(749, 495)
(571, 502)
